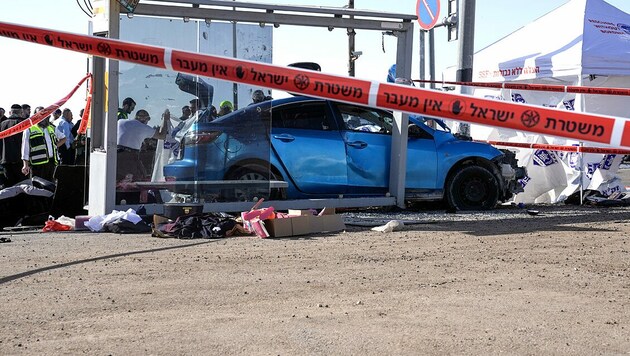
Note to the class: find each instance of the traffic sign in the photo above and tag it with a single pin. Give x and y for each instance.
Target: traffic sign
(428, 12)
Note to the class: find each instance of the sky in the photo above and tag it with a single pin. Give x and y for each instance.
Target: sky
(39, 75)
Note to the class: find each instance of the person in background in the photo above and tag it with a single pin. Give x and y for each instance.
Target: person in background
(258, 96)
(225, 107)
(40, 145)
(131, 135)
(11, 158)
(2, 115)
(26, 111)
(56, 118)
(197, 114)
(79, 141)
(186, 113)
(67, 151)
(75, 127)
(128, 105)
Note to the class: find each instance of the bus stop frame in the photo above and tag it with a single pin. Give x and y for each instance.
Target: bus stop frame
(102, 189)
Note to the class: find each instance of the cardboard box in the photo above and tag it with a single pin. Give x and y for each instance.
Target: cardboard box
(294, 226)
(327, 223)
(305, 223)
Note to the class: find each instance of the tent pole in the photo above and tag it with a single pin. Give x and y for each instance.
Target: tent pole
(581, 174)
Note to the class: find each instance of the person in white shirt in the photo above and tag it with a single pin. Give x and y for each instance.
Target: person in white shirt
(131, 135)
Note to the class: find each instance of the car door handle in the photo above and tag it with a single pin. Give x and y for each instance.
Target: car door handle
(357, 144)
(284, 137)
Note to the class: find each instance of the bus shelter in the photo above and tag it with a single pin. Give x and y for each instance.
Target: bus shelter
(112, 83)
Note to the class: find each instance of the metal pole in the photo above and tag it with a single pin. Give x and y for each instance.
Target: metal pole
(422, 56)
(581, 174)
(432, 56)
(235, 55)
(466, 51)
(351, 33)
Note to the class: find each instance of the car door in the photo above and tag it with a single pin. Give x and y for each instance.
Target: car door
(367, 136)
(309, 146)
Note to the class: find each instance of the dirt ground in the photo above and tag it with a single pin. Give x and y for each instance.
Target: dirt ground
(505, 282)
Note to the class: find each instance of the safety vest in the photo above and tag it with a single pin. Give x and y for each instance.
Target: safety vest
(39, 150)
(121, 115)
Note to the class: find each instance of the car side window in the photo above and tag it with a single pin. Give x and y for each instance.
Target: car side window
(357, 118)
(305, 116)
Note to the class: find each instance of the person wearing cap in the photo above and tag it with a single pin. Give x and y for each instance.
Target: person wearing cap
(225, 107)
(131, 135)
(40, 144)
(128, 105)
(11, 160)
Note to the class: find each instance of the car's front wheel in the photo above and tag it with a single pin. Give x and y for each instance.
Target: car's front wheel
(472, 188)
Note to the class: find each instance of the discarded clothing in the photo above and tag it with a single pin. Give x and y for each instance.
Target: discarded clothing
(122, 226)
(200, 225)
(97, 223)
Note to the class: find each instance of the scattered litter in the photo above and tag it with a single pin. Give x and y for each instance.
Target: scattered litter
(390, 226)
(532, 212)
(97, 223)
(54, 225)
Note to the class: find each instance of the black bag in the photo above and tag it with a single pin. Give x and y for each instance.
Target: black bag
(122, 226)
(201, 225)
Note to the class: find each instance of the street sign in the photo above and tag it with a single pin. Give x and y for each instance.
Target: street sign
(428, 12)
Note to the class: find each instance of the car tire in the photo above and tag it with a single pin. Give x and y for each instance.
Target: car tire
(472, 188)
(258, 172)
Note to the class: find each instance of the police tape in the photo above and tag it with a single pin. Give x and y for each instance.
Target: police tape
(86, 111)
(40, 115)
(543, 146)
(522, 117)
(537, 87)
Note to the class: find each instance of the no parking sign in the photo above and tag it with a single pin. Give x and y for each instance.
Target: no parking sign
(428, 12)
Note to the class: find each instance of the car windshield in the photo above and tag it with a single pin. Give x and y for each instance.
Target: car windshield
(435, 123)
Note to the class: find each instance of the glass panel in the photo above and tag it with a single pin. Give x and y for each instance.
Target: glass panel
(186, 138)
(365, 119)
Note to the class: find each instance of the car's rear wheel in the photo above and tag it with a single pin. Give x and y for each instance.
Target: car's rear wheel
(256, 172)
(472, 188)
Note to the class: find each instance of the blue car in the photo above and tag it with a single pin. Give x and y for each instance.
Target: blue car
(324, 149)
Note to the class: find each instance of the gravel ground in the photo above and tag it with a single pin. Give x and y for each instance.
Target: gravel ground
(467, 283)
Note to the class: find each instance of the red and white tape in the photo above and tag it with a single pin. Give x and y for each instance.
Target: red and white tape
(528, 118)
(42, 114)
(86, 111)
(538, 87)
(543, 146)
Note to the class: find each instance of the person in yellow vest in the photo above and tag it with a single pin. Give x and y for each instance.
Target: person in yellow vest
(39, 150)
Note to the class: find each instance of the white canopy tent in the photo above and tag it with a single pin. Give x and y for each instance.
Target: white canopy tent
(584, 43)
